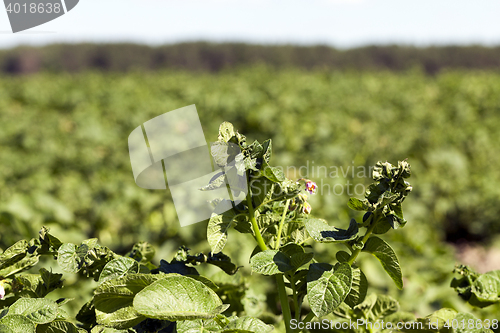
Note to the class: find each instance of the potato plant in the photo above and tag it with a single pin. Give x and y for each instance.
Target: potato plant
(135, 295)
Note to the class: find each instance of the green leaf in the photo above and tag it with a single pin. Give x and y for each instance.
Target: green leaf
(117, 268)
(38, 285)
(120, 318)
(262, 190)
(113, 300)
(217, 229)
(104, 329)
(243, 224)
(342, 256)
(223, 262)
(90, 243)
(486, 289)
(382, 224)
(57, 327)
(376, 307)
(16, 324)
(480, 290)
(216, 182)
(87, 315)
(38, 310)
(359, 288)
(327, 289)
(297, 260)
(51, 281)
(19, 266)
(298, 257)
(29, 285)
(344, 311)
(270, 262)
(285, 190)
(384, 306)
(250, 164)
(267, 147)
(4, 312)
(14, 254)
(360, 205)
(397, 211)
(385, 254)
(68, 258)
(206, 281)
(198, 326)
(320, 231)
(142, 252)
(255, 149)
(178, 298)
(441, 316)
(274, 174)
(436, 321)
(219, 152)
(291, 249)
(465, 317)
(248, 324)
(48, 242)
(226, 131)
(386, 198)
(178, 267)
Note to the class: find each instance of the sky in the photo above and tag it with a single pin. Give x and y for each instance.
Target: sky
(339, 23)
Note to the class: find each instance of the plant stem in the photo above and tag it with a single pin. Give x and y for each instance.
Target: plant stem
(356, 252)
(309, 317)
(285, 307)
(255, 226)
(295, 298)
(218, 321)
(282, 222)
(349, 247)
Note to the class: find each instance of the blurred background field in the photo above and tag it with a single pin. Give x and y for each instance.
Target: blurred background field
(65, 163)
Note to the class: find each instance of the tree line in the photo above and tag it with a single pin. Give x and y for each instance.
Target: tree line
(205, 56)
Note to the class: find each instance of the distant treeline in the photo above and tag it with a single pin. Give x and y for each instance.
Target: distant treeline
(215, 57)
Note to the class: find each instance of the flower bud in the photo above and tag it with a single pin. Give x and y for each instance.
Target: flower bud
(311, 187)
(2, 290)
(302, 197)
(307, 208)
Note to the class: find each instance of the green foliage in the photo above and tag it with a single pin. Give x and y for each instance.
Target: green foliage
(132, 295)
(39, 311)
(385, 254)
(82, 120)
(135, 295)
(322, 232)
(270, 262)
(276, 211)
(448, 320)
(178, 298)
(328, 288)
(479, 290)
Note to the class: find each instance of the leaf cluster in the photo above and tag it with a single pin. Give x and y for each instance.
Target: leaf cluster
(480, 290)
(133, 294)
(274, 214)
